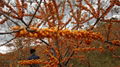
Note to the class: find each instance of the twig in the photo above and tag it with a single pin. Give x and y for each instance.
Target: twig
(109, 30)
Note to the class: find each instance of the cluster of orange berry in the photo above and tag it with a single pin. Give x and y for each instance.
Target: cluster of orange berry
(54, 32)
(116, 42)
(26, 62)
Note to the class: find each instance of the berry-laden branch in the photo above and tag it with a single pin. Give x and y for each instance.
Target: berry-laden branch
(53, 32)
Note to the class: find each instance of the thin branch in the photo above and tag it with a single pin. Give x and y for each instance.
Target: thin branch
(72, 54)
(6, 14)
(98, 19)
(52, 49)
(66, 52)
(109, 30)
(103, 15)
(109, 20)
(10, 19)
(57, 13)
(69, 58)
(109, 42)
(7, 42)
(23, 22)
(44, 42)
(2, 33)
(22, 13)
(34, 13)
(10, 7)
